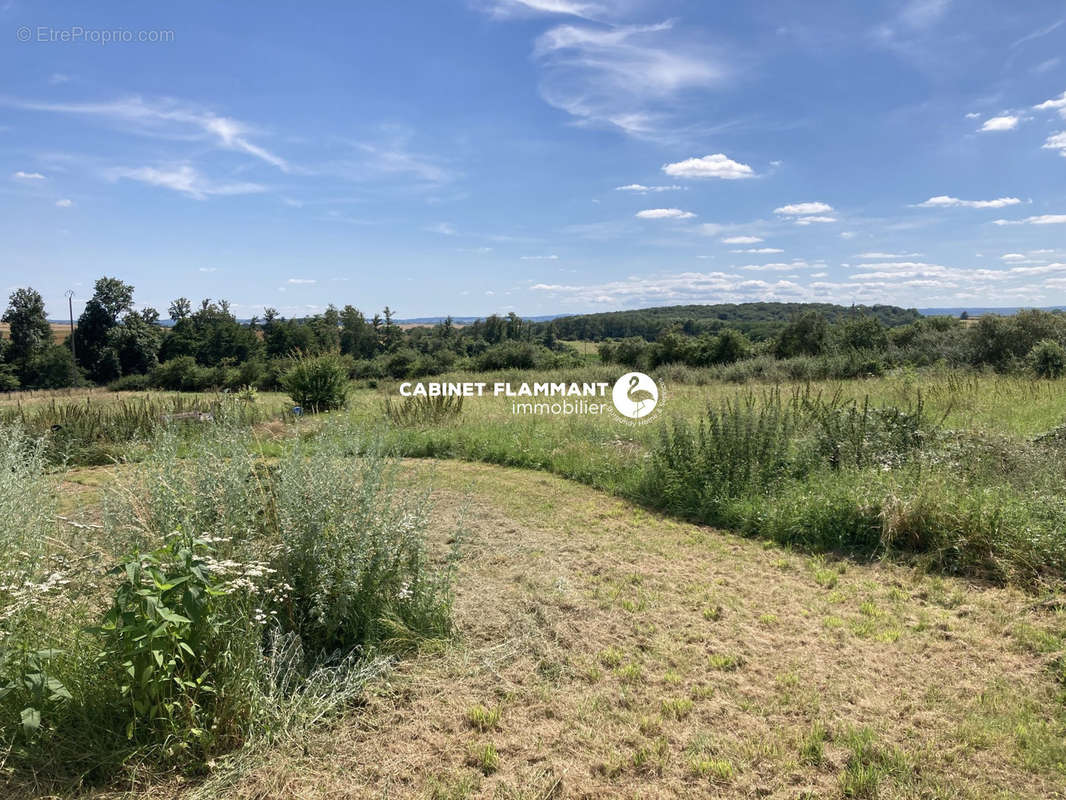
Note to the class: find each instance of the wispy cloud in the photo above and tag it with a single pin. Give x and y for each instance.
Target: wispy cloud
(1042, 219)
(303, 281)
(945, 201)
(182, 178)
(717, 165)
(27, 176)
(551, 257)
(764, 250)
(504, 9)
(166, 118)
(664, 213)
(638, 188)
(797, 209)
(742, 240)
(443, 228)
(625, 76)
(64, 202)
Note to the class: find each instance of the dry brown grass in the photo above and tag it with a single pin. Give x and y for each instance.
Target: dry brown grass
(630, 655)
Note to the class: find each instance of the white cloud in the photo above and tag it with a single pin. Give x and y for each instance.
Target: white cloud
(443, 228)
(878, 256)
(167, 118)
(208, 269)
(782, 266)
(810, 220)
(944, 201)
(1013, 257)
(664, 213)
(848, 234)
(64, 203)
(1042, 219)
(1054, 104)
(551, 257)
(972, 115)
(303, 281)
(625, 76)
(27, 176)
(183, 179)
(1007, 122)
(795, 209)
(641, 189)
(1057, 141)
(759, 250)
(742, 240)
(504, 9)
(716, 165)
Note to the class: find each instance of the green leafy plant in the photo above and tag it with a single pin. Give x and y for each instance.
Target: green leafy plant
(317, 383)
(417, 411)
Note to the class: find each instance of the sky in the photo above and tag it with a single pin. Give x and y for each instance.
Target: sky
(467, 157)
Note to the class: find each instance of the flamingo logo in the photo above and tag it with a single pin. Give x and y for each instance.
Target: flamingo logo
(635, 395)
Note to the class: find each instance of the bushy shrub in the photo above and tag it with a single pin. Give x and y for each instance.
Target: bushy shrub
(353, 551)
(508, 355)
(181, 374)
(317, 383)
(1048, 359)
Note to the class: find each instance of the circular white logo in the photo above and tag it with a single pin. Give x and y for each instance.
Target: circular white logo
(635, 395)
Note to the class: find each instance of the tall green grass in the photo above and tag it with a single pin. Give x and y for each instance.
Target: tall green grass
(245, 600)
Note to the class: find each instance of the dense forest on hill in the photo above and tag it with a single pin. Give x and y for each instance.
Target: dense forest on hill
(757, 321)
(207, 347)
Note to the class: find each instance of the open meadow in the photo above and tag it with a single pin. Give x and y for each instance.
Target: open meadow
(829, 589)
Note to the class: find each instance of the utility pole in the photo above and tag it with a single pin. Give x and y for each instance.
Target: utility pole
(70, 308)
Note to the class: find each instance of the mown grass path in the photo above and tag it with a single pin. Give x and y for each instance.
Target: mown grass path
(605, 651)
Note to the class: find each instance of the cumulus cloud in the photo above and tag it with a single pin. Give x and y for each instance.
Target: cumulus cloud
(742, 240)
(797, 209)
(945, 201)
(716, 165)
(664, 213)
(1054, 104)
(1057, 141)
(27, 176)
(1007, 122)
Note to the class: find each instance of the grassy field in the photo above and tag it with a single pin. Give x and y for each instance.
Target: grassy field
(891, 623)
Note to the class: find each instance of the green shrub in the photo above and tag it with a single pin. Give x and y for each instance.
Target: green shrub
(353, 551)
(1048, 359)
(317, 383)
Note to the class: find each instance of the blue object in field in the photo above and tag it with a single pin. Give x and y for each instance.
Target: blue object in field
(297, 410)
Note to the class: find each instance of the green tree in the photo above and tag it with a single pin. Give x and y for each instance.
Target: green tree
(29, 329)
(806, 335)
(111, 298)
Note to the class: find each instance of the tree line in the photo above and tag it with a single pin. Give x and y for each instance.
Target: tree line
(205, 346)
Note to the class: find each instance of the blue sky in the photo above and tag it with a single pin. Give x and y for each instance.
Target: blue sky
(541, 156)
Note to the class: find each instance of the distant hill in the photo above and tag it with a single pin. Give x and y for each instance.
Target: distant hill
(755, 320)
